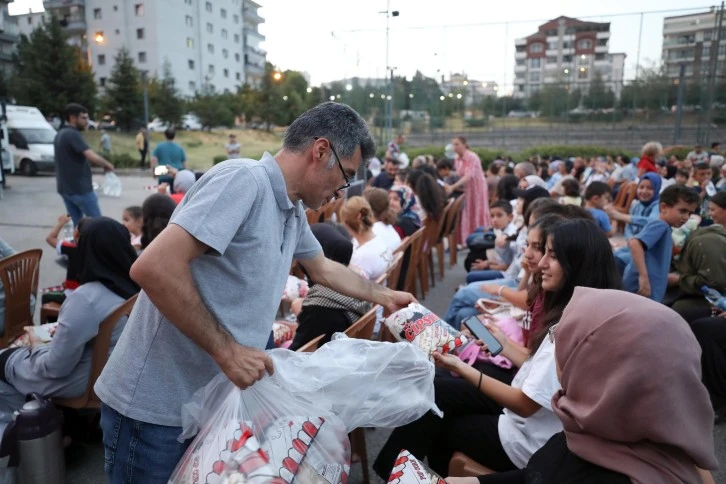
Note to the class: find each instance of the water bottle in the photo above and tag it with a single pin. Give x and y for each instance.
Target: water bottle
(714, 297)
(67, 231)
(39, 432)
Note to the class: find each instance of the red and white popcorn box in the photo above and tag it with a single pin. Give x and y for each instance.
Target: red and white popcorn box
(409, 470)
(424, 329)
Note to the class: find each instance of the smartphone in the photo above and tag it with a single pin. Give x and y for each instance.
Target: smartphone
(481, 332)
(161, 170)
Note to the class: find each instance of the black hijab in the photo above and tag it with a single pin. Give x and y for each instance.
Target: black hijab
(335, 246)
(106, 256)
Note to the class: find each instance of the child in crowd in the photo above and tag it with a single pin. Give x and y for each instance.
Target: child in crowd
(446, 173)
(571, 188)
(597, 196)
(705, 188)
(642, 210)
(133, 220)
(503, 228)
(682, 177)
(651, 249)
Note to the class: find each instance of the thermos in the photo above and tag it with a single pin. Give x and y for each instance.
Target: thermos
(39, 427)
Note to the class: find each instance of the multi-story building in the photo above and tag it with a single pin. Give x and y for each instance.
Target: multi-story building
(254, 56)
(566, 51)
(9, 36)
(472, 91)
(207, 44)
(691, 40)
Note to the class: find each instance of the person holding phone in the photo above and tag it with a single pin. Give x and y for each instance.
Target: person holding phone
(518, 419)
(168, 154)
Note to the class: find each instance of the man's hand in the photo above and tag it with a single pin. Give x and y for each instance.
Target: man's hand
(644, 286)
(244, 366)
(480, 265)
(172, 171)
(399, 300)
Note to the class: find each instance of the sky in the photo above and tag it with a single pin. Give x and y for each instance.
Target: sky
(335, 39)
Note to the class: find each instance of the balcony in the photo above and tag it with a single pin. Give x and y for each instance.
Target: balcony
(520, 42)
(255, 69)
(520, 55)
(602, 35)
(601, 49)
(520, 80)
(53, 4)
(254, 33)
(74, 24)
(521, 68)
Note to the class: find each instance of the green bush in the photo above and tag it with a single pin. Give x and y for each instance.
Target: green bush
(193, 144)
(123, 160)
(219, 159)
(585, 151)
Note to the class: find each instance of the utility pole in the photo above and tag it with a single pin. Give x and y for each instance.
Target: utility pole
(679, 105)
(146, 98)
(389, 99)
(713, 71)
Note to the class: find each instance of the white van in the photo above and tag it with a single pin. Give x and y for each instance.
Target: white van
(30, 138)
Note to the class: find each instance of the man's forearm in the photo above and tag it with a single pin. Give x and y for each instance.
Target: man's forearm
(98, 160)
(345, 281)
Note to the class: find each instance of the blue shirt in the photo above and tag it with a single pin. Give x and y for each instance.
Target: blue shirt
(602, 219)
(170, 153)
(658, 243)
(640, 215)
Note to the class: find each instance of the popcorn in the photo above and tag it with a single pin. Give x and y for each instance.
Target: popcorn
(409, 470)
(424, 329)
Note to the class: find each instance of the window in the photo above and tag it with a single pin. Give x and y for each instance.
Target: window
(211, 69)
(190, 63)
(139, 9)
(117, 32)
(188, 2)
(210, 28)
(30, 20)
(190, 42)
(224, 33)
(521, 62)
(142, 57)
(567, 59)
(534, 76)
(706, 52)
(707, 35)
(102, 81)
(139, 34)
(535, 48)
(599, 57)
(237, 76)
(602, 42)
(189, 21)
(115, 8)
(535, 63)
(101, 60)
(223, 13)
(583, 60)
(208, 6)
(551, 60)
(236, 38)
(584, 44)
(520, 48)
(210, 48)
(567, 44)
(225, 72)
(236, 57)
(552, 45)
(192, 86)
(97, 13)
(225, 53)
(235, 18)
(582, 73)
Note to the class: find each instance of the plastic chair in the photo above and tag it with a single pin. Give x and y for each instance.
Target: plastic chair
(453, 229)
(19, 277)
(99, 357)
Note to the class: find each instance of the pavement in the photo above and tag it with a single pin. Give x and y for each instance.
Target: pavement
(29, 211)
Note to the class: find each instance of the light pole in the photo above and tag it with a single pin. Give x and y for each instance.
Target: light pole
(389, 104)
(146, 98)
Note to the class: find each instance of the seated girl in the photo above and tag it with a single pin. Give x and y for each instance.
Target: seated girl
(403, 203)
(323, 310)
(516, 420)
(62, 367)
(372, 255)
(133, 220)
(618, 418)
(384, 217)
(644, 208)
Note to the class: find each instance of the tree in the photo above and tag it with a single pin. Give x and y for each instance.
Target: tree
(212, 109)
(599, 97)
(49, 73)
(165, 102)
(123, 92)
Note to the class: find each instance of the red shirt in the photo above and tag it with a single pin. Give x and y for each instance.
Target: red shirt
(648, 164)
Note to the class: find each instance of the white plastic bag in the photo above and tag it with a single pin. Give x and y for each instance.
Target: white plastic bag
(111, 185)
(294, 425)
(424, 330)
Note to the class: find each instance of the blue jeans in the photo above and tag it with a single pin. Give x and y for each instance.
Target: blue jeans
(139, 452)
(484, 275)
(464, 303)
(82, 204)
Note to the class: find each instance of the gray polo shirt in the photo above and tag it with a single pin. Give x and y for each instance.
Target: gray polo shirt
(241, 210)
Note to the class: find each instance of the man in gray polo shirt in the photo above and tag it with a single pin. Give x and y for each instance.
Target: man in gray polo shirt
(212, 282)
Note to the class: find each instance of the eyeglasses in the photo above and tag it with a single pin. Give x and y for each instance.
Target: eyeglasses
(551, 333)
(340, 165)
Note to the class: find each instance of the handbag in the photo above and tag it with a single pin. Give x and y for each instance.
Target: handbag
(471, 353)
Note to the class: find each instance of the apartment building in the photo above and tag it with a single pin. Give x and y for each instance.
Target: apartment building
(9, 36)
(691, 40)
(566, 51)
(471, 90)
(206, 43)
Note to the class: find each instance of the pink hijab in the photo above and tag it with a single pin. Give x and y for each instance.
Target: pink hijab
(632, 399)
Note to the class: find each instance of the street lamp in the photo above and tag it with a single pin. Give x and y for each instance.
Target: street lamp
(410, 96)
(277, 75)
(442, 98)
(389, 106)
(99, 37)
(458, 96)
(309, 90)
(348, 87)
(332, 98)
(284, 98)
(371, 95)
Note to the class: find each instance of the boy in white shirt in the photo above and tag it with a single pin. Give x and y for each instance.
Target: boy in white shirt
(502, 217)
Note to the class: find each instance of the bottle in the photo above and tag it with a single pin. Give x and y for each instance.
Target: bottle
(714, 297)
(67, 231)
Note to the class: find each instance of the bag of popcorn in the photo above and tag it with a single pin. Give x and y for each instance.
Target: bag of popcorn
(409, 470)
(424, 329)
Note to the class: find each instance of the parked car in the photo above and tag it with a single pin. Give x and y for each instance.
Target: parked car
(92, 125)
(191, 122)
(157, 125)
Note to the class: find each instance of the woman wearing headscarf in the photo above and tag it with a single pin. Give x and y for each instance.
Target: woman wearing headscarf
(403, 203)
(644, 208)
(183, 182)
(325, 311)
(62, 367)
(618, 416)
(475, 212)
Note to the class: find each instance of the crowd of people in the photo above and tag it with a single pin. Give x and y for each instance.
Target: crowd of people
(616, 340)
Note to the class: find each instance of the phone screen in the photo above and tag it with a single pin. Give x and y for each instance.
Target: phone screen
(161, 170)
(481, 332)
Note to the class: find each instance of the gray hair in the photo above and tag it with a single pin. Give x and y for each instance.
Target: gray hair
(339, 123)
(527, 168)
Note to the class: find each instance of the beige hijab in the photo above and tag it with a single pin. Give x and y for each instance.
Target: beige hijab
(632, 399)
